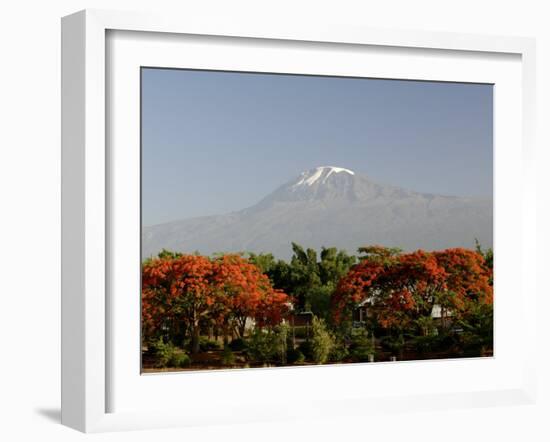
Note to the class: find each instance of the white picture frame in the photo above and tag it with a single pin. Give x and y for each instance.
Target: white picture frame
(87, 317)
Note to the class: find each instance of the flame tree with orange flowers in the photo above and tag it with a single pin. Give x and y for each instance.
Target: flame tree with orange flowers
(247, 294)
(181, 288)
(190, 291)
(401, 288)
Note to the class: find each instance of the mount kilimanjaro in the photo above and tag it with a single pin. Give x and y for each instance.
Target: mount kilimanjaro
(332, 207)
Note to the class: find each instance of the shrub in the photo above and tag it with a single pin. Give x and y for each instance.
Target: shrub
(283, 335)
(206, 344)
(362, 346)
(179, 359)
(168, 355)
(263, 347)
(339, 351)
(322, 341)
(477, 336)
(161, 352)
(228, 358)
(393, 343)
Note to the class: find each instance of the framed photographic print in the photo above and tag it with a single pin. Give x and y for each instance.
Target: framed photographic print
(252, 213)
(288, 263)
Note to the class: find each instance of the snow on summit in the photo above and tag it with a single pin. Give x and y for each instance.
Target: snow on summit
(320, 174)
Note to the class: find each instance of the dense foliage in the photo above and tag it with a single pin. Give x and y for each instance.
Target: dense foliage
(241, 309)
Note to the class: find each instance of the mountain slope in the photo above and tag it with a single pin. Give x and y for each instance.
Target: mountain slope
(332, 206)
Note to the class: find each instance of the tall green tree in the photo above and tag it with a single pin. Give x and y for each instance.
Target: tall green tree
(304, 274)
(334, 265)
(322, 341)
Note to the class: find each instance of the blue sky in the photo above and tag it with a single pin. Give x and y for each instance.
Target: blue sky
(214, 142)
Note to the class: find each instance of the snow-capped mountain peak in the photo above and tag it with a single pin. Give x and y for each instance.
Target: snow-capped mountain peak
(331, 206)
(319, 183)
(320, 175)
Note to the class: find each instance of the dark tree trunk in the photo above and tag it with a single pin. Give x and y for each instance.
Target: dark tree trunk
(242, 327)
(225, 335)
(195, 339)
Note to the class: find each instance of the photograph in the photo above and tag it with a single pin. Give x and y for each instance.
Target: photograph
(292, 220)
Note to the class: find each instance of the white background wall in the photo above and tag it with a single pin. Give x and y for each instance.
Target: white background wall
(30, 214)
